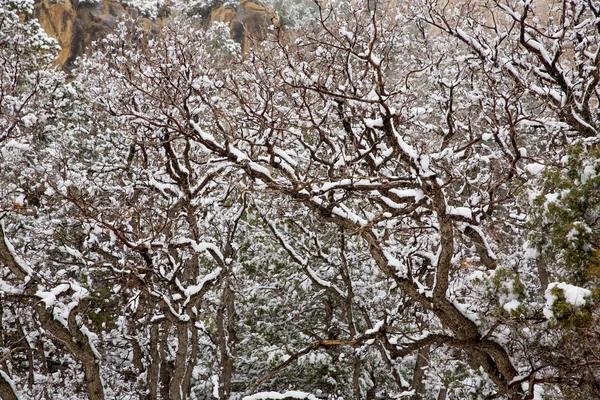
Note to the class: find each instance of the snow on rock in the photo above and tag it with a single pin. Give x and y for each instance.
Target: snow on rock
(574, 295)
(292, 394)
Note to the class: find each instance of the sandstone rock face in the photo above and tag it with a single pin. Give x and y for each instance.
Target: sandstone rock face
(76, 24)
(249, 22)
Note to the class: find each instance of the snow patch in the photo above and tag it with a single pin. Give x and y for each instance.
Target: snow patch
(574, 295)
(292, 394)
(375, 329)
(460, 211)
(534, 168)
(512, 305)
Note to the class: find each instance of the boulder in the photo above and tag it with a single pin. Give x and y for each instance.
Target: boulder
(76, 24)
(249, 22)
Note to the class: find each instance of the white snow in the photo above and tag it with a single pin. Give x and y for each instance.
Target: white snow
(285, 156)
(200, 247)
(92, 339)
(530, 252)
(488, 249)
(259, 168)
(19, 200)
(375, 329)
(512, 305)
(534, 168)
(373, 123)
(416, 193)
(24, 267)
(292, 394)
(407, 393)
(192, 290)
(16, 145)
(215, 381)
(460, 211)
(203, 134)
(29, 120)
(467, 312)
(344, 212)
(396, 264)
(9, 289)
(49, 298)
(574, 295)
(60, 310)
(237, 153)
(589, 172)
(10, 383)
(551, 197)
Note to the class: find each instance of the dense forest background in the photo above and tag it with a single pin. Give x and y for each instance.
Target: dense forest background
(349, 200)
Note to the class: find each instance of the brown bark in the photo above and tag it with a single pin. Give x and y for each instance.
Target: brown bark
(44, 364)
(356, 378)
(187, 379)
(153, 369)
(418, 383)
(165, 367)
(226, 339)
(177, 390)
(542, 275)
(6, 390)
(8, 258)
(30, 373)
(442, 394)
(78, 345)
(481, 248)
(74, 340)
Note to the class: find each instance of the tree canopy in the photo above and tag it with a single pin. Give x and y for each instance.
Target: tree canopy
(393, 200)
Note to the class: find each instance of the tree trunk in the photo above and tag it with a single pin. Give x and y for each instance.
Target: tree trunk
(418, 383)
(542, 275)
(6, 390)
(227, 336)
(152, 382)
(165, 367)
(78, 345)
(177, 390)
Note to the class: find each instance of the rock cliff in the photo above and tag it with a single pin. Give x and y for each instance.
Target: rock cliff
(249, 21)
(76, 24)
